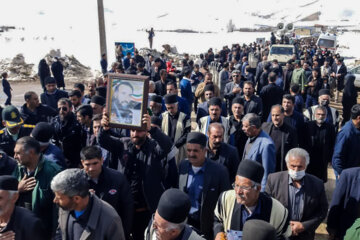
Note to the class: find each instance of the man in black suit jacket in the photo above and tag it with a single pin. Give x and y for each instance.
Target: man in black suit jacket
(302, 194)
(283, 135)
(203, 180)
(252, 103)
(319, 142)
(221, 152)
(270, 95)
(338, 72)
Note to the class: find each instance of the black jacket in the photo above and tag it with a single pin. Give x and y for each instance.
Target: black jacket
(68, 137)
(216, 180)
(7, 164)
(113, 188)
(151, 153)
(289, 141)
(52, 99)
(270, 95)
(255, 105)
(42, 113)
(229, 158)
(25, 225)
(315, 202)
(57, 71)
(319, 143)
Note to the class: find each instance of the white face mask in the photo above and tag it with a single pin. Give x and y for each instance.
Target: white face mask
(296, 175)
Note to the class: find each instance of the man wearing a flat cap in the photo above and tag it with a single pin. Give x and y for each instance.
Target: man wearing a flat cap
(246, 202)
(176, 125)
(332, 116)
(203, 180)
(215, 109)
(16, 222)
(169, 220)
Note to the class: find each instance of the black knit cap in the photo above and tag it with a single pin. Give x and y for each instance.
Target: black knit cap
(170, 98)
(42, 132)
(156, 98)
(209, 87)
(255, 229)
(197, 138)
(215, 101)
(8, 183)
(98, 100)
(324, 92)
(238, 100)
(251, 169)
(174, 206)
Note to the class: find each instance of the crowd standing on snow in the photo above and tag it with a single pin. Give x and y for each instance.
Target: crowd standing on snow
(232, 150)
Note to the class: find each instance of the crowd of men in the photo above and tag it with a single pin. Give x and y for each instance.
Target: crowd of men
(230, 152)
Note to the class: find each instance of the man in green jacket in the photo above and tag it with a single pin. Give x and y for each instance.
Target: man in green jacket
(34, 174)
(298, 76)
(354, 231)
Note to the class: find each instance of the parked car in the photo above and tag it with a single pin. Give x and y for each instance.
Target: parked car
(356, 71)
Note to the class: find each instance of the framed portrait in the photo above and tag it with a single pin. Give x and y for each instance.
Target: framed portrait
(122, 48)
(126, 101)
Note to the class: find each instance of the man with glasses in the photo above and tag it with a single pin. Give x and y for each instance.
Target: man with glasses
(68, 133)
(246, 202)
(233, 89)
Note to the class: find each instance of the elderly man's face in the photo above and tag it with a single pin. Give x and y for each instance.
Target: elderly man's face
(320, 116)
(155, 107)
(296, 163)
(161, 227)
(246, 192)
(248, 129)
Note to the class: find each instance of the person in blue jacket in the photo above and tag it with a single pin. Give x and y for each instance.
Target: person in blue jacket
(344, 204)
(347, 144)
(185, 86)
(259, 146)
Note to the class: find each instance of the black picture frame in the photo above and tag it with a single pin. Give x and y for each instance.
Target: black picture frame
(126, 101)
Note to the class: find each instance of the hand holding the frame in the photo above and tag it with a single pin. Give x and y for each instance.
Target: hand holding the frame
(105, 121)
(147, 121)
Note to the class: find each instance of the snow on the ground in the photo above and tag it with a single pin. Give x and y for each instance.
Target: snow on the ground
(72, 25)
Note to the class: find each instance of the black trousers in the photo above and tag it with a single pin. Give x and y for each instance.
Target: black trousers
(140, 222)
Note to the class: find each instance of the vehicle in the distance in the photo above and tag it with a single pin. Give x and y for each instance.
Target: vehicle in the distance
(356, 71)
(281, 52)
(327, 41)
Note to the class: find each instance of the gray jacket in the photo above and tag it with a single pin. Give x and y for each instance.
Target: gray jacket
(103, 223)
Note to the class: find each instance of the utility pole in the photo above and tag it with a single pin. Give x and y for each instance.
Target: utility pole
(102, 34)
